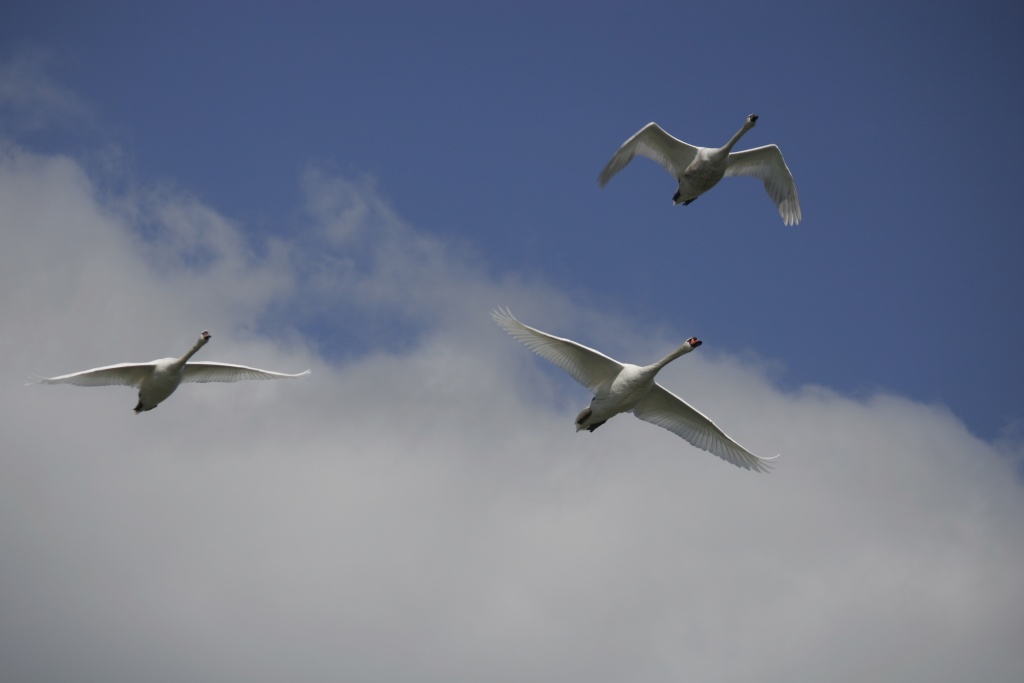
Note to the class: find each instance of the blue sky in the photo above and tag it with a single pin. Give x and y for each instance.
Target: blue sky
(487, 126)
(353, 189)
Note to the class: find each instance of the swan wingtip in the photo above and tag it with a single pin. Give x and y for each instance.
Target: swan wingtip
(766, 465)
(501, 313)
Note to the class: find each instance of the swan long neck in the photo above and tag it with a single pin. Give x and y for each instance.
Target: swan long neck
(191, 352)
(684, 349)
(736, 138)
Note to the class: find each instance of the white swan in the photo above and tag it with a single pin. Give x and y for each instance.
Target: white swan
(622, 388)
(158, 379)
(698, 169)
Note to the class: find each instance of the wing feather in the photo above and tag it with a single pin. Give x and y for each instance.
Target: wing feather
(652, 142)
(663, 408)
(767, 164)
(588, 367)
(204, 371)
(122, 374)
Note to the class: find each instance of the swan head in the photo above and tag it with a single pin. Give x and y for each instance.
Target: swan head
(205, 337)
(694, 342)
(751, 120)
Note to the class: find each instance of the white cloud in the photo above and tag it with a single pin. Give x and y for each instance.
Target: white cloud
(424, 510)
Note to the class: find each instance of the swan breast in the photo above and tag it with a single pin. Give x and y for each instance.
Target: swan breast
(161, 381)
(628, 388)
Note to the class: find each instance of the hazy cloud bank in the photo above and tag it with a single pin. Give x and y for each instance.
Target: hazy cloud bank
(421, 508)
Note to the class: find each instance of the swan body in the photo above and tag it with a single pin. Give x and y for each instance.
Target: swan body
(698, 169)
(622, 388)
(157, 379)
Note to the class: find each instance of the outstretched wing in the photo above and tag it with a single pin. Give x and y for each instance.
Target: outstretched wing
(202, 371)
(652, 142)
(767, 164)
(663, 408)
(588, 367)
(123, 374)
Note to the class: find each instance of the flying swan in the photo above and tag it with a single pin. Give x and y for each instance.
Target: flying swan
(698, 169)
(622, 388)
(158, 379)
